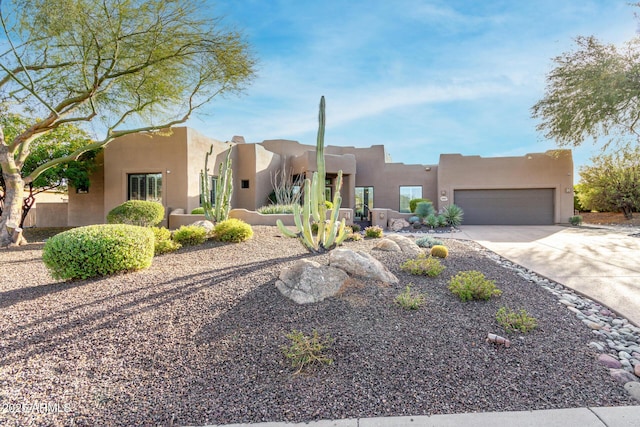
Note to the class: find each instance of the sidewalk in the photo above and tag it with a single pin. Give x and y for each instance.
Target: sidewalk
(623, 416)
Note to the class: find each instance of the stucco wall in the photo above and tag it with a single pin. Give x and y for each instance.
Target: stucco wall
(88, 208)
(197, 148)
(52, 214)
(553, 169)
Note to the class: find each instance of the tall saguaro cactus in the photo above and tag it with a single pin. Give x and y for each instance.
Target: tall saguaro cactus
(314, 209)
(218, 209)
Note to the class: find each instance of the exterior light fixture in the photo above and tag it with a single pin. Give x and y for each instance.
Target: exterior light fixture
(443, 193)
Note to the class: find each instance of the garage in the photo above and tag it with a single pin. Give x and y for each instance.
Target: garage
(507, 206)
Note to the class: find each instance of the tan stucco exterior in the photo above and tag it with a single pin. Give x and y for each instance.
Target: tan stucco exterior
(179, 157)
(553, 169)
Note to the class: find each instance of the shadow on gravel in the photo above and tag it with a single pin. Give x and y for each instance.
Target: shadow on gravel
(75, 323)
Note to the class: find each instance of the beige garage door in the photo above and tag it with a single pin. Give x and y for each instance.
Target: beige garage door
(506, 207)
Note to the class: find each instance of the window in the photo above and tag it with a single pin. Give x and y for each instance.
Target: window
(407, 193)
(244, 183)
(145, 186)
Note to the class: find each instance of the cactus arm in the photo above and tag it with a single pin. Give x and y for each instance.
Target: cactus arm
(204, 187)
(342, 233)
(284, 230)
(307, 233)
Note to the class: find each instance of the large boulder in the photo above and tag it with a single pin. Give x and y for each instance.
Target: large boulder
(360, 264)
(387, 245)
(307, 281)
(397, 224)
(407, 245)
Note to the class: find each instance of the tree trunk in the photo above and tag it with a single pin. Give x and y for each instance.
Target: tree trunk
(628, 212)
(14, 185)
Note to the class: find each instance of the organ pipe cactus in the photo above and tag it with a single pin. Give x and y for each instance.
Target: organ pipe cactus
(224, 190)
(205, 192)
(330, 232)
(218, 210)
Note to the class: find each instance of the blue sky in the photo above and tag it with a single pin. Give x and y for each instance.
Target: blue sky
(422, 77)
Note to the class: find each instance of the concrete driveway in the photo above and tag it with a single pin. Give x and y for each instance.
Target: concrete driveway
(602, 264)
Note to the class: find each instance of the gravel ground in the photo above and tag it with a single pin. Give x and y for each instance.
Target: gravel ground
(196, 339)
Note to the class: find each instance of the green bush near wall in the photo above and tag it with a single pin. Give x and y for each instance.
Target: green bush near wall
(232, 230)
(137, 212)
(98, 250)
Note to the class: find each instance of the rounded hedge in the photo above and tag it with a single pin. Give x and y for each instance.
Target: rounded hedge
(232, 230)
(137, 212)
(98, 250)
(190, 235)
(198, 211)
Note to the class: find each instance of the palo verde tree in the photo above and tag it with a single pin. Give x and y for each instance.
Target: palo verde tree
(131, 65)
(60, 142)
(612, 183)
(593, 92)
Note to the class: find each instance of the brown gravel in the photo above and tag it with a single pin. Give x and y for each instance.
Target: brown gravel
(196, 339)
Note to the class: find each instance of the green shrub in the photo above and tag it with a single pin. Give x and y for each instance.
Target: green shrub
(353, 236)
(198, 211)
(453, 214)
(276, 209)
(423, 265)
(442, 221)
(190, 235)
(428, 242)
(373, 231)
(439, 251)
(417, 225)
(410, 300)
(137, 212)
(424, 209)
(413, 219)
(414, 202)
(575, 220)
(163, 242)
(314, 228)
(306, 350)
(232, 230)
(514, 321)
(98, 250)
(431, 220)
(356, 228)
(468, 285)
(328, 204)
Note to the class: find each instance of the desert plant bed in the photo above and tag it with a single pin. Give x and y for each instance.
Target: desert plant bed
(197, 339)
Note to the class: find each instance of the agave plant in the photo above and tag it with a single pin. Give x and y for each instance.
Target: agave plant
(453, 214)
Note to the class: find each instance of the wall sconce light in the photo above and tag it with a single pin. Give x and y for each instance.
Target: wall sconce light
(568, 190)
(443, 193)
(168, 171)
(381, 215)
(427, 168)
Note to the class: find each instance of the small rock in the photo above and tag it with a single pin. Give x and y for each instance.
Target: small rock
(567, 303)
(574, 310)
(207, 225)
(622, 376)
(609, 361)
(636, 370)
(591, 324)
(633, 388)
(624, 355)
(597, 346)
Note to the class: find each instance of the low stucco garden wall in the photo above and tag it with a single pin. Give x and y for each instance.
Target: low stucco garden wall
(178, 218)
